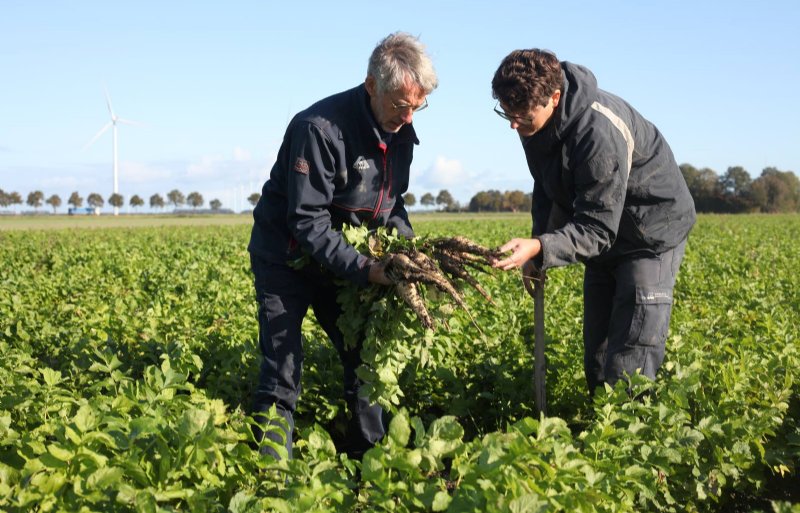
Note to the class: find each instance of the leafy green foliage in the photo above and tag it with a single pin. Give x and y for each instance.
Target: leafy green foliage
(129, 358)
(393, 337)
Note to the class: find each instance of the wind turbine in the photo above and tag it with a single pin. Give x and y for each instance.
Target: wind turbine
(113, 125)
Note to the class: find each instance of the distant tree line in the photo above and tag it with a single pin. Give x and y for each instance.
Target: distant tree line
(484, 201)
(733, 192)
(174, 197)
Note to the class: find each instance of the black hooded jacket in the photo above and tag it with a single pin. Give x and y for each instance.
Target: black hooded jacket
(608, 174)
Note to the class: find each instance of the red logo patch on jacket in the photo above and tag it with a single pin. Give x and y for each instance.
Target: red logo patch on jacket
(301, 166)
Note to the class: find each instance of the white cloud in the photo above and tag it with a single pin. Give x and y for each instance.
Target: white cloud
(445, 173)
(209, 166)
(64, 182)
(240, 167)
(241, 155)
(140, 172)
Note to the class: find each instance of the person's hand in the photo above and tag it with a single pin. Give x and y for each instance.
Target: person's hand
(377, 274)
(522, 250)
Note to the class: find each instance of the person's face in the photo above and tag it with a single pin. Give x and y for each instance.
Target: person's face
(393, 109)
(532, 120)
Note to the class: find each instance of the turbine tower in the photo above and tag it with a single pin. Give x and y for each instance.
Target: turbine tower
(113, 125)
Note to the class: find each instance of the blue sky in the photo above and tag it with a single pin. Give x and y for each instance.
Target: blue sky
(213, 85)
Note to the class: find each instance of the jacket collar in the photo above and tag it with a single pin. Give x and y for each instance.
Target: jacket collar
(406, 134)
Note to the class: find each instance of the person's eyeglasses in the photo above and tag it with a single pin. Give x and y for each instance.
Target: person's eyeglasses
(508, 117)
(404, 106)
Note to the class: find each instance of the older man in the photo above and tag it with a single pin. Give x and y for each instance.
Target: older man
(344, 160)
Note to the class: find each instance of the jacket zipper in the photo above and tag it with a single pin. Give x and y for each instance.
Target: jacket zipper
(384, 151)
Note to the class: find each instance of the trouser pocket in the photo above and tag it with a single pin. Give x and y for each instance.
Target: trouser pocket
(651, 314)
(644, 346)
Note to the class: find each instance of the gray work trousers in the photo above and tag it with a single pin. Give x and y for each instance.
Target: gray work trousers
(627, 305)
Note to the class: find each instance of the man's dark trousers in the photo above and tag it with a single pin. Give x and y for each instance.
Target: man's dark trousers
(284, 295)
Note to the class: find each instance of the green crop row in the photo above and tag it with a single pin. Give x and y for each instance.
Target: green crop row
(129, 357)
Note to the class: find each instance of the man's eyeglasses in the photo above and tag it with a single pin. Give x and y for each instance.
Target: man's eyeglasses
(404, 106)
(508, 117)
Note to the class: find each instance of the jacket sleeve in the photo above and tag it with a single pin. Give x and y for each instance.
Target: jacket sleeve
(398, 219)
(312, 164)
(600, 178)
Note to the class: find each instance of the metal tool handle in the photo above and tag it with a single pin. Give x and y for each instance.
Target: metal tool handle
(540, 367)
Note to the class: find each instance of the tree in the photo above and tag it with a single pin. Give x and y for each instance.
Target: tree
(776, 191)
(195, 199)
(156, 201)
(409, 199)
(215, 204)
(14, 198)
(789, 179)
(487, 201)
(427, 199)
(5, 200)
(136, 201)
(479, 202)
(736, 181)
(769, 194)
(75, 199)
(116, 200)
(704, 186)
(444, 198)
(35, 199)
(54, 201)
(253, 199)
(95, 200)
(176, 198)
(516, 201)
(496, 201)
(735, 185)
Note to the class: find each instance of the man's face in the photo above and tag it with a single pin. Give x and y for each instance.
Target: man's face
(532, 120)
(393, 109)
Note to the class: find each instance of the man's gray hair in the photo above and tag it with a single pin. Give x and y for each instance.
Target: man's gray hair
(399, 57)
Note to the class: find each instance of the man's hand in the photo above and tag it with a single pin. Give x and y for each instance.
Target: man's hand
(522, 250)
(377, 274)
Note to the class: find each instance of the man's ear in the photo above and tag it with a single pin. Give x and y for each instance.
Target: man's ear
(370, 84)
(556, 97)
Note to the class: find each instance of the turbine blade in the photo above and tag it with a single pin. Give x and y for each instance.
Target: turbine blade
(97, 136)
(108, 102)
(129, 122)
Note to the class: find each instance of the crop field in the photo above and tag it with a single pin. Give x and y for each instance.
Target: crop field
(130, 355)
(47, 222)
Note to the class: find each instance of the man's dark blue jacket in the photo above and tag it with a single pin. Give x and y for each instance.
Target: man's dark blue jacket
(334, 167)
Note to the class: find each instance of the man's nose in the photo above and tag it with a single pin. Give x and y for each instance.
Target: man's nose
(406, 116)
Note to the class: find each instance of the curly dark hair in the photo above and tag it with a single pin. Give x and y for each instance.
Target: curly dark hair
(527, 78)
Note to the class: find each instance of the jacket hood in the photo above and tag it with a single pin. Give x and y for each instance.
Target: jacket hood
(577, 95)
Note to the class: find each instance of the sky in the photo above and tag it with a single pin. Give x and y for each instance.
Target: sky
(212, 85)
